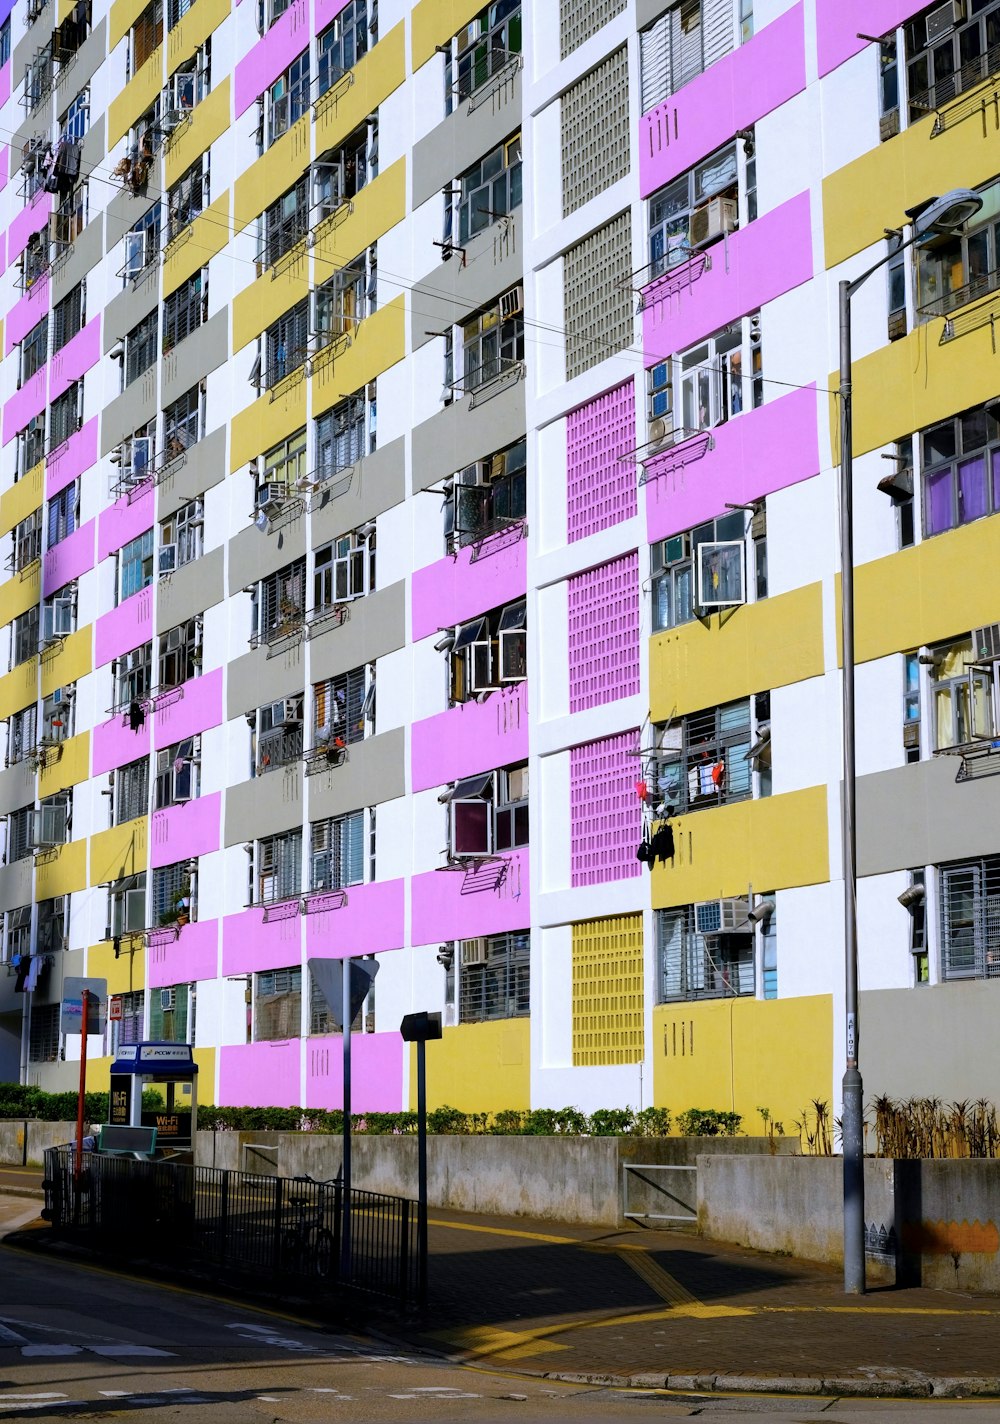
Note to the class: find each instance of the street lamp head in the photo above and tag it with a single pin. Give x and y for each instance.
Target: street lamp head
(940, 216)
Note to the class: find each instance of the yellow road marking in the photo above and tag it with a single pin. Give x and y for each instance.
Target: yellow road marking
(664, 1284)
(501, 1344)
(507, 1231)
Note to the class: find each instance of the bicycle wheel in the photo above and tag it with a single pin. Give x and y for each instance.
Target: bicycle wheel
(324, 1257)
(290, 1251)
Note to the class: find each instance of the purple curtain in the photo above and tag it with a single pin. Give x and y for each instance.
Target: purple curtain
(995, 457)
(972, 501)
(938, 514)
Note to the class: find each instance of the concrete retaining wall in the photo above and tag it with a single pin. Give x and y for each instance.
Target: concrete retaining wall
(26, 1141)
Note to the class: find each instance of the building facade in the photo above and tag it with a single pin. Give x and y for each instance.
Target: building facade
(419, 457)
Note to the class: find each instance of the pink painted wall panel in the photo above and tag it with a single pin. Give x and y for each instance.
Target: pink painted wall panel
(450, 904)
(186, 831)
(600, 485)
(29, 401)
(29, 220)
(370, 922)
(248, 944)
(114, 744)
(78, 356)
(376, 1072)
(271, 55)
(474, 736)
(605, 812)
(604, 633)
(71, 458)
(753, 266)
(764, 450)
(124, 628)
(199, 708)
(123, 521)
(327, 10)
(453, 590)
(68, 559)
(262, 1075)
(733, 94)
(193, 955)
(839, 21)
(26, 312)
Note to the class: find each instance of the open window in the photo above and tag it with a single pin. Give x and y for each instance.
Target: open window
(127, 906)
(721, 574)
(472, 816)
(488, 652)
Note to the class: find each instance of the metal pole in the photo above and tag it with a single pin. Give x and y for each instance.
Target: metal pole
(422, 1172)
(345, 1019)
(78, 1164)
(852, 1121)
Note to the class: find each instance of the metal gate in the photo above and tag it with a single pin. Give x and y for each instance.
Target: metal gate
(681, 1205)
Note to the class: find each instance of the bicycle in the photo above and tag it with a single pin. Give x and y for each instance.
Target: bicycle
(307, 1246)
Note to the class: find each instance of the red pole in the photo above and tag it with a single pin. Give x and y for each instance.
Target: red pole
(78, 1164)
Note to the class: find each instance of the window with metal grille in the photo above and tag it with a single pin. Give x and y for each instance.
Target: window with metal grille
(180, 654)
(62, 514)
(141, 347)
(181, 537)
(44, 1038)
(287, 343)
(173, 893)
(38, 79)
(184, 421)
(276, 734)
(53, 925)
(68, 316)
(492, 342)
(176, 10)
(940, 66)
(22, 734)
(703, 760)
(970, 919)
(285, 223)
(344, 570)
(34, 349)
(277, 1004)
(284, 466)
(66, 415)
(35, 260)
(75, 122)
(687, 40)
(340, 436)
(343, 707)
(280, 601)
(486, 497)
(133, 675)
(481, 49)
(135, 565)
(31, 444)
(128, 1029)
(347, 298)
(20, 824)
(288, 98)
(344, 42)
(178, 773)
(58, 713)
(324, 1018)
(188, 197)
(131, 799)
(702, 205)
(962, 268)
(698, 966)
(494, 977)
(147, 33)
(168, 1014)
(278, 867)
(24, 636)
(185, 310)
(17, 933)
(27, 538)
(70, 217)
(338, 852)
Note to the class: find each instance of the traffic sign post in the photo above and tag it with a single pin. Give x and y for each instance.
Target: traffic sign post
(419, 1029)
(83, 1008)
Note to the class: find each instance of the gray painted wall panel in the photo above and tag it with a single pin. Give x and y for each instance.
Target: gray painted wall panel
(190, 590)
(456, 436)
(918, 815)
(123, 212)
(78, 260)
(255, 679)
(649, 10)
(934, 1041)
(376, 626)
(82, 67)
(264, 806)
(17, 788)
(128, 308)
(462, 140)
(377, 483)
(16, 883)
(494, 265)
(373, 772)
(203, 351)
(28, 45)
(92, 150)
(253, 555)
(203, 467)
(135, 405)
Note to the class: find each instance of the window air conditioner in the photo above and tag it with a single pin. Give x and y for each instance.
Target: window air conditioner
(162, 761)
(512, 302)
(944, 19)
(713, 917)
(986, 643)
(291, 711)
(473, 952)
(714, 219)
(270, 494)
(168, 1000)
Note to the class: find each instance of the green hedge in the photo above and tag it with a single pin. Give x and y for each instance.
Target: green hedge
(17, 1101)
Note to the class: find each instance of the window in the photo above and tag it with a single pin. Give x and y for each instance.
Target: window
(344, 570)
(276, 734)
(288, 98)
(68, 316)
(38, 79)
(964, 695)
(147, 33)
(20, 837)
(128, 1029)
(279, 603)
(135, 565)
(5, 42)
(27, 538)
(960, 462)
(180, 654)
(66, 415)
(287, 343)
(35, 260)
(674, 568)
(911, 706)
(489, 652)
(492, 342)
(70, 217)
(174, 899)
(142, 244)
(338, 852)
(494, 977)
(343, 43)
(916, 906)
(24, 636)
(704, 759)
(278, 868)
(53, 925)
(486, 498)
(184, 422)
(285, 223)
(189, 84)
(185, 310)
(938, 68)
(347, 298)
(141, 348)
(176, 10)
(488, 813)
(340, 436)
(955, 270)
(277, 1004)
(692, 965)
(22, 734)
(131, 792)
(17, 933)
(181, 537)
(344, 707)
(188, 197)
(44, 1037)
(31, 445)
(701, 206)
(970, 919)
(708, 384)
(489, 191)
(769, 951)
(482, 49)
(127, 906)
(284, 469)
(133, 675)
(59, 613)
(178, 774)
(62, 514)
(683, 43)
(75, 122)
(58, 714)
(325, 1018)
(34, 349)
(169, 1014)
(340, 173)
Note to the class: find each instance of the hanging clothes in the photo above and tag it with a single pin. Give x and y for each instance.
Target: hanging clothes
(136, 716)
(662, 844)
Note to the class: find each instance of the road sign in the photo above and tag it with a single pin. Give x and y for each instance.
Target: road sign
(328, 976)
(71, 1019)
(115, 1007)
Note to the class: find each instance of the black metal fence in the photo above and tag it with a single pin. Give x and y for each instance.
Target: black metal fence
(282, 1232)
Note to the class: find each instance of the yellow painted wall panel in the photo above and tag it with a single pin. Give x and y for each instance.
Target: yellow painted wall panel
(478, 1067)
(379, 342)
(62, 873)
(205, 1059)
(208, 122)
(19, 501)
(121, 851)
(68, 661)
(264, 423)
(608, 1000)
(738, 1055)
(64, 9)
(69, 768)
(193, 29)
(772, 843)
(435, 21)
(138, 95)
(209, 234)
(19, 687)
(375, 77)
(377, 208)
(127, 973)
(124, 14)
(274, 292)
(17, 594)
(272, 174)
(763, 645)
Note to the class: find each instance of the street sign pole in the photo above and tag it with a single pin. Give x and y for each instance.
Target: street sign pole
(346, 1019)
(419, 1028)
(78, 1164)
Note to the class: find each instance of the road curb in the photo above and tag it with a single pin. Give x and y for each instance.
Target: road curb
(875, 1384)
(34, 1193)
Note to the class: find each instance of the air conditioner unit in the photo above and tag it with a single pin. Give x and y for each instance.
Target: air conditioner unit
(944, 19)
(167, 561)
(512, 302)
(473, 952)
(888, 125)
(911, 734)
(659, 430)
(713, 220)
(168, 1000)
(713, 917)
(270, 494)
(897, 325)
(291, 711)
(986, 643)
(162, 761)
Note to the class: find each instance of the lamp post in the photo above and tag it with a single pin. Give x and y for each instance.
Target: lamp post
(936, 217)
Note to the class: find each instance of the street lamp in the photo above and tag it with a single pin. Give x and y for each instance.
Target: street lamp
(937, 217)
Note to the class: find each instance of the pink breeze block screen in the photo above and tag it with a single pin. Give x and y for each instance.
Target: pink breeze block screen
(600, 486)
(604, 633)
(604, 811)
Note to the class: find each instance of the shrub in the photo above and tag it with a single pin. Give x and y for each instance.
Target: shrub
(652, 1122)
(707, 1122)
(611, 1122)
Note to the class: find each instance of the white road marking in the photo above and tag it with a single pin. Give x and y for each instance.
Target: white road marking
(115, 1393)
(6, 1398)
(123, 1349)
(30, 1350)
(267, 1398)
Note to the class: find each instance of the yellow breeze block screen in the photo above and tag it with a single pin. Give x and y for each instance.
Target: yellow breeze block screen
(607, 991)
